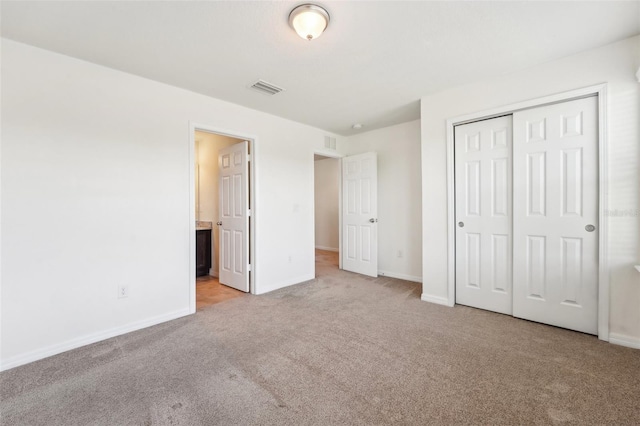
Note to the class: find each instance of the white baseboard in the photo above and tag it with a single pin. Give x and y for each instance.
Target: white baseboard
(400, 276)
(435, 299)
(212, 273)
(623, 340)
(327, 248)
(293, 281)
(58, 348)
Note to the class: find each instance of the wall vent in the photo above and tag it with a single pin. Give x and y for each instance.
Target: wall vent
(264, 87)
(329, 142)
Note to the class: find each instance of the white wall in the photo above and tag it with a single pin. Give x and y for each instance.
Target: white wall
(327, 184)
(399, 193)
(615, 64)
(95, 193)
(208, 146)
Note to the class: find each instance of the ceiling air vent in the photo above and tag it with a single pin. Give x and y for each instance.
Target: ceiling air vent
(264, 87)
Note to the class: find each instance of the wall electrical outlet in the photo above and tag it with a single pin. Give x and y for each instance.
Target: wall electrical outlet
(123, 291)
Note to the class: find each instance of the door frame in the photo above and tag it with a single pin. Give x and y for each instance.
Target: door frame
(253, 190)
(337, 156)
(600, 91)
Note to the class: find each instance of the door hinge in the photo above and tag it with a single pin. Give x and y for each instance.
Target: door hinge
(249, 213)
(249, 268)
(248, 157)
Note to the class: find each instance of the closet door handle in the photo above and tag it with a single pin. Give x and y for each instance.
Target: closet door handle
(590, 228)
(219, 223)
(461, 224)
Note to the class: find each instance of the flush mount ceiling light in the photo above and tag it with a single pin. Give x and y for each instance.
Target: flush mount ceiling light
(309, 20)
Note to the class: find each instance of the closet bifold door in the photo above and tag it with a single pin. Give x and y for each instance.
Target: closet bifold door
(555, 214)
(483, 214)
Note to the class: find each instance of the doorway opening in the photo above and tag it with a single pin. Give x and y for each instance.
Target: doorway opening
(221, 206)
(326, 214)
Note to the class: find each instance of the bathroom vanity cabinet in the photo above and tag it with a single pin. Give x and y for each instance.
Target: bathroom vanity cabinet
(203, 252)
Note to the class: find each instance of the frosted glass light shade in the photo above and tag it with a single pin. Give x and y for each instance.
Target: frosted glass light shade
(309, 21)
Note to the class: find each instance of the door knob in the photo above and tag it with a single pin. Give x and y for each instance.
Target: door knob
(219, 223)
(461, 224)
(590, 228)
(372, 220)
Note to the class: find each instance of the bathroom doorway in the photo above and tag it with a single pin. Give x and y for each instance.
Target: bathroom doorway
(222, 240)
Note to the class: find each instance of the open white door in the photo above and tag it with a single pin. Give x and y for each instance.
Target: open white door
(555, 248)
(234, 216)
(360, 214)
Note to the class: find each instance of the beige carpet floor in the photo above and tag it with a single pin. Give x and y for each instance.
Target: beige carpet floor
(342, 349)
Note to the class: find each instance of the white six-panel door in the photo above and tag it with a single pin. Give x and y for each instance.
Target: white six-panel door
(360, 214)
(483, 214)
(555, 248)
(234, 216)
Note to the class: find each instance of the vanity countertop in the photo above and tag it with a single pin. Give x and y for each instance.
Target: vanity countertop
(203, 225)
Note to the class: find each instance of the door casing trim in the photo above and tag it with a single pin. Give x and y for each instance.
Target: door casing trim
(599, 90)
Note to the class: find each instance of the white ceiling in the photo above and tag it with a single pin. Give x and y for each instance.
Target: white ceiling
(371, 66)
